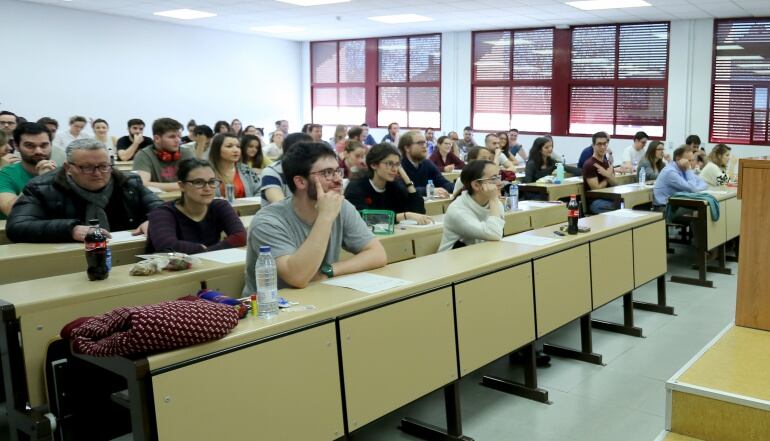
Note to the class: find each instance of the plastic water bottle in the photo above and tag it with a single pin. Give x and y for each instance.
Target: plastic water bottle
(267, 284)
(230, 193)
(430, 189)
(512, 201)
(559, 173)
(633, 165)
(642, 177)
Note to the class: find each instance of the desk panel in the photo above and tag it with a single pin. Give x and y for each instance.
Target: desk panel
(428, 244)
(733, 221)
(548, 217)
(3, 237)
(283, 389)
(396, 354)
(716, 232)
(516, 222)
(612, 268)
(495, 315)
(563, 287)
(650, 258)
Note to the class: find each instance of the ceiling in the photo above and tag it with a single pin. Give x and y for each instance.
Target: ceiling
(349, 20)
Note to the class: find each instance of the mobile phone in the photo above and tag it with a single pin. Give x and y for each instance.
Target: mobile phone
(584, 229)
(558, 233)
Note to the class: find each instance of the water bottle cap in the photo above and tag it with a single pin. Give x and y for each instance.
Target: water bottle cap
(264, 248)
(430, 181)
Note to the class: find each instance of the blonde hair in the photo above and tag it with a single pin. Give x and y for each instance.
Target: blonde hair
(717, 153)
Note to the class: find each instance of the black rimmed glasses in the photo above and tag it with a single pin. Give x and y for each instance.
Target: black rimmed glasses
(493, 179)
(91, 169)
(200, 183)
(390, 164)
(329, 173)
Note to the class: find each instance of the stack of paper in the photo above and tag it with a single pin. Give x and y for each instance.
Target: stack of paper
(230, 255)
(366, 282)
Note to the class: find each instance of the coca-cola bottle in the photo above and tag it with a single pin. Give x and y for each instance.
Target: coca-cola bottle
(573, 213)
(97, 252)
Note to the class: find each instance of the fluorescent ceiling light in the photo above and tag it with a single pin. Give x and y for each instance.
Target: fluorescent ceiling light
(593, 5)
(185, 14)
(312, 2)
(400, 18)
(276, 29)
(729, 47)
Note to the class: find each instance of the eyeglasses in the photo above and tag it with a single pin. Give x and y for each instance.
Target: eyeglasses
(390, 164)
(329, 173)
(7, 123)
(200, 183)
(493, 179)
(91, 169)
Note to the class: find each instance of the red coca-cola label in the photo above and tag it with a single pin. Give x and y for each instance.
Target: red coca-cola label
(573, 213)
(90, 246)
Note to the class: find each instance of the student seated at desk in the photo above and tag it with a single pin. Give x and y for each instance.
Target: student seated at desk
(306, 232)
(200, 142)
(225, 158)
(352, 160)
(653, 160)
(157, 164)
(715, 171)
(633, 154)
(598, 173)
(33, 142)
(56, 207)
(474, 154)
(378, 189)
(195, 222)
(444, 158)
(477, 215)
(414, 153)
(273, 186)
(252, 154)
(128, 146)
(676, 177)
(540, 163)
(492, 143)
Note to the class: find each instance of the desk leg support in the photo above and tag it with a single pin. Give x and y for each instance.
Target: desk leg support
(586, 345)
(700, 254)
(721, 267)
(527, 390)
(661, 306)
(454, 431)
(736, 250)
(627, 327)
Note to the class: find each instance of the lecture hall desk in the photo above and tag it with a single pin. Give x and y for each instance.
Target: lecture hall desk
(630, 195)
(394, 364)
(3, 237)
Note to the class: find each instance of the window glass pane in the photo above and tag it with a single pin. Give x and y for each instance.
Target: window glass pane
(424, 105)
(392, 106)
(533, 55)
(731, 114)
(640, 108)
(392, 60)
(353, 61)
(324, 59)
(325, 105)
(591, 109)
(491, 108)
(531, 109)
(425, 58)
(593, 52)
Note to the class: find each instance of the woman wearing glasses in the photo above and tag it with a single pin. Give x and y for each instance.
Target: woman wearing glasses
(653, 160)
(194, 223)
(477, 214)
(225, 158)
(444, 158)
(380, 190)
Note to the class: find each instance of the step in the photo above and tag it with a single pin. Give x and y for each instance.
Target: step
(723, 393)
(671, 436)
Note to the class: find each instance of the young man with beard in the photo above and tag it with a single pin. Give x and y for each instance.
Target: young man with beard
(306, 231)
(414, 154)
(34, 146)
(157, 164)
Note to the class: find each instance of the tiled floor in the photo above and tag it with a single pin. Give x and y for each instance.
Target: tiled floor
(622, 401)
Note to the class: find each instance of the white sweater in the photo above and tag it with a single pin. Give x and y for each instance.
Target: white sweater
(471, 223)
(714, 175)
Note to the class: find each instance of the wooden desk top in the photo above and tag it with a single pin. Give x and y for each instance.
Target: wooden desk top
(445, 268)
(124, 165)
(719, 193)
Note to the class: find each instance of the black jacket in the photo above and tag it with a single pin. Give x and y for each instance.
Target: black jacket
(48, 209)
(396, 198)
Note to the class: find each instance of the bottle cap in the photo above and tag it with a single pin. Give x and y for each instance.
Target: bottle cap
(93, 222)
(264, 248)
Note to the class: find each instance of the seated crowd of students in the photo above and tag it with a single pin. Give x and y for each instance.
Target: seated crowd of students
(311, 190)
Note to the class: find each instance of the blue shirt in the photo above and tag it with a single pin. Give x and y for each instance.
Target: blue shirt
(370, 140)
(425, 171)
(673, 179)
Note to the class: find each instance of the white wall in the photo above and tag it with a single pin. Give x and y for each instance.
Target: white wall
(689, 91)
(65, 62)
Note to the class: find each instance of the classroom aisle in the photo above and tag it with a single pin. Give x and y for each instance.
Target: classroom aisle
(624, 400)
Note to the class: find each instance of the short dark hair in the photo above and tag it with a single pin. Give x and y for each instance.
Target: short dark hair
(30, 128)
(78, 118)
(314, 126)
(99, 120)
(161, 126)
(472, 171)
(489, 135)
(473, 153)
(135, 122)
(191, 123)
(364, 125)
(187, 165)
(598, 135)
(640, 136)
(441, 139)
(299, 159)
(468, 128)
(6, 112)
(692, 139)
(278, 123)
(219, 125)
(355, 131)
(306, 128)
(514, 130)
(203, 129)
(48, 120)
(392, 124)
(377, 154)
(293, 139)
(680, 151)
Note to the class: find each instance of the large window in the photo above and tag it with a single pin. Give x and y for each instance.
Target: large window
(572, 81)
(377, 81)
(740, 82)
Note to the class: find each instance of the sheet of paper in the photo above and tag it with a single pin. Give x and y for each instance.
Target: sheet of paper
(530, 240)
(125, 236)
(230, 255)
(574, 179)
(540, 204)
(627, 213)
(717, 192)
(422, 226)
(256, 199)
(366, 282)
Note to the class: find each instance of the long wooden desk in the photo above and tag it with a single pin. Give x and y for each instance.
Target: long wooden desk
(710, 234)
(552, 192)
(124, 165)
(3, 237)
(407, 361)
(630, 195)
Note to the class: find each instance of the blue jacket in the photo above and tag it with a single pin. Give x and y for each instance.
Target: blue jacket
(424, 171)
(673, 180)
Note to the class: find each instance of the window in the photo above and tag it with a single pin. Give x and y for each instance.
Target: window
(619, 79)
(377, 81)
(409, 83)
(512, 76)
(740, 82)
(338, 82)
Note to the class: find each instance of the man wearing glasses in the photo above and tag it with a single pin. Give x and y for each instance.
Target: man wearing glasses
(633, 154)
(8, 122)
(56, 207)
(414, 154)
(306, 231)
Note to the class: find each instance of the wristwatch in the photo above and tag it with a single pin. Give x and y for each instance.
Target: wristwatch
(409, 184)
(327, 270)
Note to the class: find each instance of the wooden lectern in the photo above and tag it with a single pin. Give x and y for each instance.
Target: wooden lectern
(753, 300)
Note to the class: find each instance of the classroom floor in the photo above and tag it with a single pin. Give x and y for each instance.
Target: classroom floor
(624, 400)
